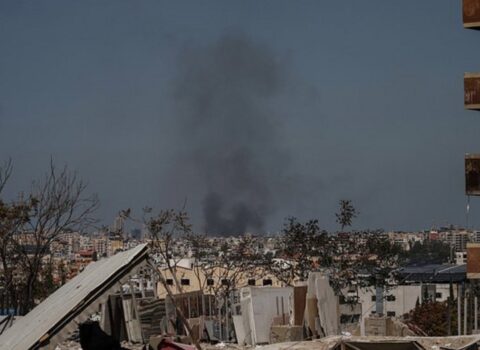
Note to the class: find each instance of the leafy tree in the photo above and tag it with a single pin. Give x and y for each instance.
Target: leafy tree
(360, 259)
(428, 252)
(301, 245)
(346, 214)
(432, 318)
(385, 258)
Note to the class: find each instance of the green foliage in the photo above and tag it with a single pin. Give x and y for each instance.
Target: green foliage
(428, 252)
(432, 318)
(388, 258)
(300, 246)
(363, 258)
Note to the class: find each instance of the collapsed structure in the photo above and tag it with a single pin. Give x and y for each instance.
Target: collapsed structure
(382, 343)
(112, 292)
(88, 293)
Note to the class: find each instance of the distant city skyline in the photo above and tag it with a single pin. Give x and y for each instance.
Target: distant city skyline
(245, 112)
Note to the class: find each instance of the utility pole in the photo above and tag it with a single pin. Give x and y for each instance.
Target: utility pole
(449, 311)
(459, 309)
(475, 313)
(465, 308)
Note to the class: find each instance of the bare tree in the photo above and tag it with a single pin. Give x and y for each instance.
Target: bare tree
(165, 229)
(12, 216)
(5, 173)
(202, 267)
(227, 269)
(58, 204)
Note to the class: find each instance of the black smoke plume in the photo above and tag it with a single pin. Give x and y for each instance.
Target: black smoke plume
(224, 95)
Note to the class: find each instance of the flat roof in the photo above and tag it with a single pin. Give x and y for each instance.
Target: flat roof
(438, 273)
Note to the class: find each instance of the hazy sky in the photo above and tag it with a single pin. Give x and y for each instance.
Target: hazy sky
(258, 109)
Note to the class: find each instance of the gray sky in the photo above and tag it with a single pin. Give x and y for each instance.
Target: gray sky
(247, 108)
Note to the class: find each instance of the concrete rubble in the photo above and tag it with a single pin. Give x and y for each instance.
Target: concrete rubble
(380, 343)
(74, 345)
(94, 309)
(57, 317)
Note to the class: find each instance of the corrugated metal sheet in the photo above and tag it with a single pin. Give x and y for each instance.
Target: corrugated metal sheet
(443, 273)
(74, 298)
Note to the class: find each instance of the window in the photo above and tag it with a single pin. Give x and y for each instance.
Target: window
(267, 282)
(349, 318)
(169, 282)
(390, 313)
(185, 282)
(438, 295)
(251, 282)
(225, 282)
(374, 298)
(390, 298)
(210, 282)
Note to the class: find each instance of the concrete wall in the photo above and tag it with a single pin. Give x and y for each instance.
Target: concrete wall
(327, 303)
(259, 306)
(197, 280)
(405, 296)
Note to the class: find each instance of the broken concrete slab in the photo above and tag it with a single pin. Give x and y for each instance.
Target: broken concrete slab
(57, 316)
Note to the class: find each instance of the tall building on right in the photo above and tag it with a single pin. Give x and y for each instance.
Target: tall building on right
(471, 88)
(471, 14)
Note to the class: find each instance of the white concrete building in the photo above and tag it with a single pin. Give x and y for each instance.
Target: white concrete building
(400, 300)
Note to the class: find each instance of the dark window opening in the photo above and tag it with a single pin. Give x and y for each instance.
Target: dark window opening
(267, 282)
(210, 282)
(349, 318)
(390, 298)
(251, 282)
(185, 282)
(169, 282)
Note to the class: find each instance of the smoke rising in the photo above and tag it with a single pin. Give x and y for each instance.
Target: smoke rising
(224, 94)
